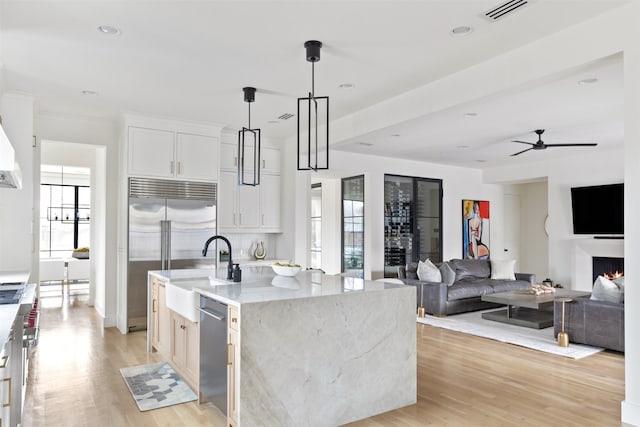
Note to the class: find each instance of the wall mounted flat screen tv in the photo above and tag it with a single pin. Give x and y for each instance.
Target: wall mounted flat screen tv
(598, 209)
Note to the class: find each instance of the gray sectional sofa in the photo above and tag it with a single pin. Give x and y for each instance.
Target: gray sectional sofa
(463, 284)
(592, 322)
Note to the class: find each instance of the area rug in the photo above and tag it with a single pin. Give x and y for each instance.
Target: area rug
(537, 339)
(156, 385)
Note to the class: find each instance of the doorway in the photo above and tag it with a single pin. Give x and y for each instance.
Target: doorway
(71, 221)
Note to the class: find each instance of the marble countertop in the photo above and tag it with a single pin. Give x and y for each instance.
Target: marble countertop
(261, 284)
(14, 276)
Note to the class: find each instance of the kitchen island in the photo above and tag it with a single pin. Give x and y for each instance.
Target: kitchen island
(312, 349)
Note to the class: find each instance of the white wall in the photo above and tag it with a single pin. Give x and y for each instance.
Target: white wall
(18, 244)
(100, 133)
(458, 184)
(534, 248)
(561, 174)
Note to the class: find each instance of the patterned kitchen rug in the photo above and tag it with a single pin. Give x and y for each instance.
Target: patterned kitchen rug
(156, 385)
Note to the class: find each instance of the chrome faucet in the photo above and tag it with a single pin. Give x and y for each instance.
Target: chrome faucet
(206, 248)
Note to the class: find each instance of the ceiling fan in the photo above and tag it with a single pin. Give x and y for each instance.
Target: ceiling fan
(540, 145)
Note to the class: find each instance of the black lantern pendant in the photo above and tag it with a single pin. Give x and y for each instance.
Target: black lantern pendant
(249, 147)
(313, 121)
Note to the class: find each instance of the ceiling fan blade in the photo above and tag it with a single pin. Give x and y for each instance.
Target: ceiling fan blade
(523, 151)
(591, 144)
(524, 142)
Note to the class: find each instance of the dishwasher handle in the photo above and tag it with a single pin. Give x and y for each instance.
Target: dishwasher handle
(212, 314)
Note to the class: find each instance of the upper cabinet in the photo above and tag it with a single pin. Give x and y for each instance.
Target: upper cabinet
(244, 208)
(196, 157)
(158, 149)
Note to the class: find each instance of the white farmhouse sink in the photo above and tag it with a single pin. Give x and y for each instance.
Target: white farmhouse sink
(183, 300)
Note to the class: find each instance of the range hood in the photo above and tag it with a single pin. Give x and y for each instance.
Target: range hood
(10, 176)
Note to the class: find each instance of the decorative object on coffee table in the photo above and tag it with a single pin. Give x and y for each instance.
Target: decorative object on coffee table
(563, 336)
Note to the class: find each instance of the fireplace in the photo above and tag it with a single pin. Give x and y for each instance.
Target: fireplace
(608, 266)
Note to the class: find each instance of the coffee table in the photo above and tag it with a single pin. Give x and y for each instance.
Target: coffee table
(523, 309)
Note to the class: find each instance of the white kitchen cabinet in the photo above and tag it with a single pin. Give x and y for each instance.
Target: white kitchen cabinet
(246, 207)
(227, 200)
(151, 152)
(270, 160)
(196, 157)
(159, 153)
(238, 205)
(229, 156)
(270, 201)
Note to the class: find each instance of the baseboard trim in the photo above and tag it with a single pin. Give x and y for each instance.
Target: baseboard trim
(630, 413)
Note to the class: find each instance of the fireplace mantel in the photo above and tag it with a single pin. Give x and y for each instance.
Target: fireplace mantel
(583, 251)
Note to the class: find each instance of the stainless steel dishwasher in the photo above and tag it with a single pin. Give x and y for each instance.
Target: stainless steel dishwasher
(213, 352)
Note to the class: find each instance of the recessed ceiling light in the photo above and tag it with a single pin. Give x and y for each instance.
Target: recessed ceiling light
(366, 144)
(347, 86)
(395, 135)
(463, 147)
(462, 30)
(106, 29)
(589, 81)
(273, 121)
(471, 114)
(481, 161)
(89, 92)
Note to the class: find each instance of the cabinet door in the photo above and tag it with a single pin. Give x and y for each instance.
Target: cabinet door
(178, 335)
(154, 314)
(233, 357)
(151, 152)
(248, 206)
(192, 348)
(270, 160)
(227, 205)
(270, 201)
(197, 157)
(229, 156)
(164, 321)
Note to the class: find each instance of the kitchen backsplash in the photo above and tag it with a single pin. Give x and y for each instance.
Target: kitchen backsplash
(244, 244)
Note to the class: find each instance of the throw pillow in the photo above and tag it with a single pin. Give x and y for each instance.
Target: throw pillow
(606, 290)
(471, 269)
(448, 275)
(503, 269)
(428, 272)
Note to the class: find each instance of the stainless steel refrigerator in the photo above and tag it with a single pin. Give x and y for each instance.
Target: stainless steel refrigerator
(169, 222)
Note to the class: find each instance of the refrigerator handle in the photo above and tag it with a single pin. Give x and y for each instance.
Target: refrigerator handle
(163, 244)
(168, 240)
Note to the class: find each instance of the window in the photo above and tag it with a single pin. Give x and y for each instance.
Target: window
(315, 255)
(353, 225)
(65, 212)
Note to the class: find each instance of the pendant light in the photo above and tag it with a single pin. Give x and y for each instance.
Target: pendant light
(249, 147)
(313, 121)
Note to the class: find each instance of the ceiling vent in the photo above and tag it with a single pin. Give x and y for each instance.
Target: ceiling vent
(285, 116)
(505, 9)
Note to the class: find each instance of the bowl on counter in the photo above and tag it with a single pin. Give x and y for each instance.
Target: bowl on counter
(284, 270)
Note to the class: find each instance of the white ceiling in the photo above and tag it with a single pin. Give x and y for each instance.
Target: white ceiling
(190, 59)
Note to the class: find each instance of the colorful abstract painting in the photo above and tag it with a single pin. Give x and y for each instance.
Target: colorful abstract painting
(475, 229)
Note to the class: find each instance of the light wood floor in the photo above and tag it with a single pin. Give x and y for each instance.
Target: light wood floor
(462, 381)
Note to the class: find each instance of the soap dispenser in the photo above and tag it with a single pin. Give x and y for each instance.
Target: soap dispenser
(237, 273)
